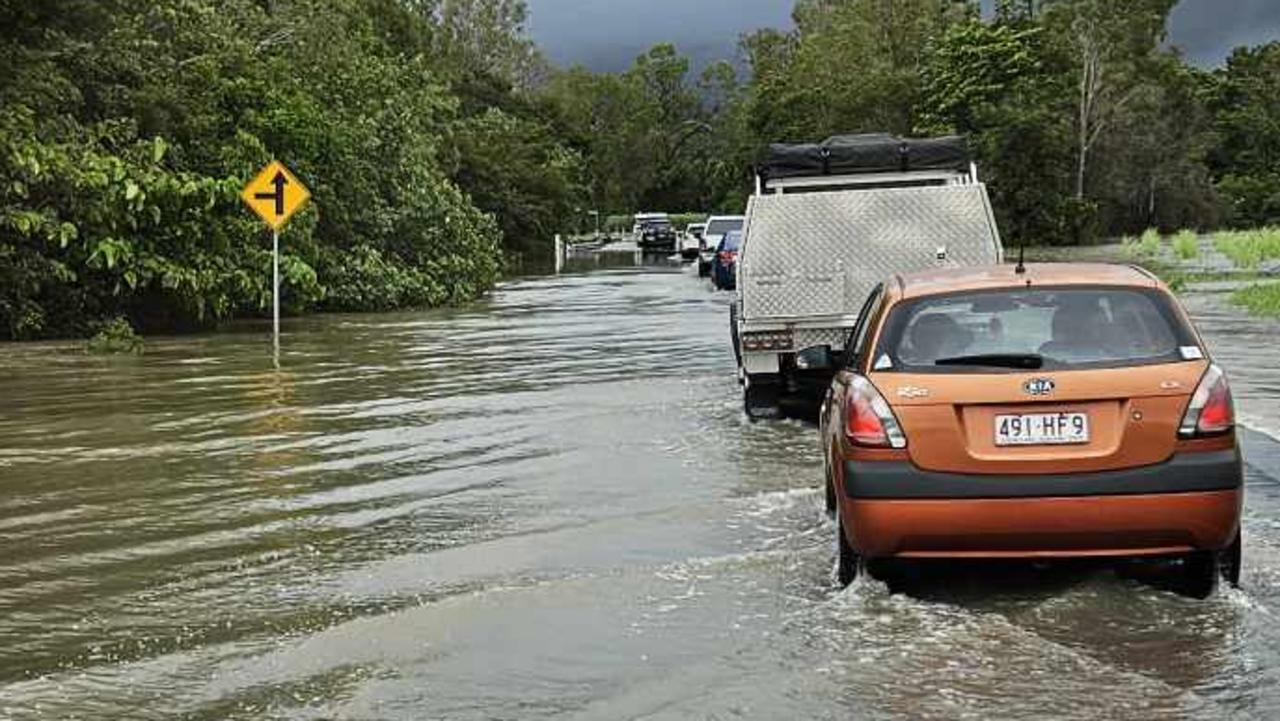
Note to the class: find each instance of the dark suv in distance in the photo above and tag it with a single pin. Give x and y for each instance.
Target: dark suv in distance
(658, 235)
(724, 266)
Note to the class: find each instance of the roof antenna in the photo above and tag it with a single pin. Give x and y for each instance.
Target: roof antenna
(1021, 268)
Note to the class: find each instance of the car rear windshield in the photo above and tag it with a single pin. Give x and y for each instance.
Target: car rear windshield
(732, 240)
(658, 224)
(720, 227)
(1012, 330)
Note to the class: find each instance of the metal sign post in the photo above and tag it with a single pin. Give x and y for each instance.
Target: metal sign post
(275, 195)
(275, 294)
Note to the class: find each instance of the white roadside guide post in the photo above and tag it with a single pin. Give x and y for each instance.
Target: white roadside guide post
(275, 195)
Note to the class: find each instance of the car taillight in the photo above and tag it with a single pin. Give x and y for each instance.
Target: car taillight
(869, 422)
(728, 256)
(1211, 411)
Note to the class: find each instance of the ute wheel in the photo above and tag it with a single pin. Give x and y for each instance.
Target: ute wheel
(733, 334)
(1229, 562)
(760, 400)
(1200, 574)
(848, 563)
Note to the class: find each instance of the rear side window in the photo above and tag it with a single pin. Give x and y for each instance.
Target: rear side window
(720, 227)
(1068, 328)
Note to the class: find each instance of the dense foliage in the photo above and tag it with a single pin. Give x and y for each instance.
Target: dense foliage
(1086, 124)
(439, 145)
(126, 130)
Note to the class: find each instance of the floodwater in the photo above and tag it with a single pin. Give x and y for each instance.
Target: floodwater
(548, 505)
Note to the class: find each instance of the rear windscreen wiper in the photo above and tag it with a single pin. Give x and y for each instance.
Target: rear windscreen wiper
(1026, 361)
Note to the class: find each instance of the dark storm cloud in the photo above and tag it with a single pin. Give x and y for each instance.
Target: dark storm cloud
(1207, 30)
(609, 34)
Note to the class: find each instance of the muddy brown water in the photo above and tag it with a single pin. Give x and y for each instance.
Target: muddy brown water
(548, 505)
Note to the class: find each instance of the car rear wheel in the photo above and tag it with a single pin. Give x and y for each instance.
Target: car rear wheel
(831, 496)
(1229, 562)
(847, 560)
(1200, 572)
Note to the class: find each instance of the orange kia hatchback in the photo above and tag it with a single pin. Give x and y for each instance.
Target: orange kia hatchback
(1051, 411)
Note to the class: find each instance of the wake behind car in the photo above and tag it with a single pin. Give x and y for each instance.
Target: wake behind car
(1051, 411)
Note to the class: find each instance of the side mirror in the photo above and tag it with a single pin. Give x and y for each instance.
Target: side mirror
(816, 358)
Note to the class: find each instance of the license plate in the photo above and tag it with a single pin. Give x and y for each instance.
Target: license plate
(1042, 429)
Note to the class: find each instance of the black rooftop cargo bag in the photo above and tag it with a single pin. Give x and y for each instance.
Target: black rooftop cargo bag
(870, 153)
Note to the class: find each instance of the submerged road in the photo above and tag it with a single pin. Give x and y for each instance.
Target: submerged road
(545, 506)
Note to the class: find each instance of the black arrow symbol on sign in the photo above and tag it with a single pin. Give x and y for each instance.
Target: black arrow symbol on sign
(279, 181)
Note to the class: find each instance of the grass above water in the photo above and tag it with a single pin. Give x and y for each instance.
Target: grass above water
(1262, 299)
(1249, 248)
(1186, 245)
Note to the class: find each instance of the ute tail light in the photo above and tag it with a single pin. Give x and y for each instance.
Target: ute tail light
(768, 340)
(1211, 411)
(869, 422)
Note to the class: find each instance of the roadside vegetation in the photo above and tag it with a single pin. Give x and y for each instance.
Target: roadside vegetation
(127, 129)
(442, 148)
(1249, 248)
(1262, 299)
(116, 337)
(1186, 245)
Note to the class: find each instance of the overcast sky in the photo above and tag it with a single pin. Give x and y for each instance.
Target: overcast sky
(609, 34)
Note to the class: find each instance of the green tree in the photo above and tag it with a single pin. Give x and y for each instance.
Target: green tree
(849, 66)
(127, 128)
(1245, 99)
(995, 84)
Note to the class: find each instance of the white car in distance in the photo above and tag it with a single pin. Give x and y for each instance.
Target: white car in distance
(717, 227)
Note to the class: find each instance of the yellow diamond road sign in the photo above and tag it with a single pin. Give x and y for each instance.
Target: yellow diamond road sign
(275, 195)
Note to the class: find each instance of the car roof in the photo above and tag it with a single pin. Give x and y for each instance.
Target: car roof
(726, 217)
(995, 277)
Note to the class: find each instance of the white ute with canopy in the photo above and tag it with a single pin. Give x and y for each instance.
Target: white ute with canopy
(830, 221)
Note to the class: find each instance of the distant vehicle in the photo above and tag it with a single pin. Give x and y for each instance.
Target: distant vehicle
(717, 226)
(691, 241)
(657, 234)
(642, 218)
(724, 267)
(827, 222)
(1054, 412)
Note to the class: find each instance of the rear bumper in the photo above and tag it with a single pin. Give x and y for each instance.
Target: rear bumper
(658, 242)
(1191, 502)
(1184, 473)
(1085, 526)
(724, 277)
